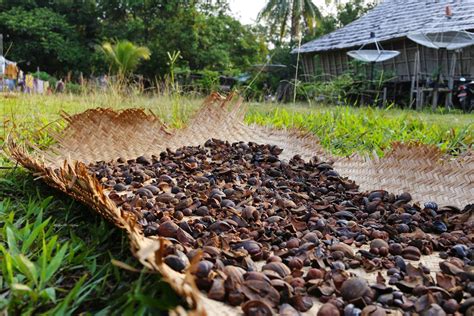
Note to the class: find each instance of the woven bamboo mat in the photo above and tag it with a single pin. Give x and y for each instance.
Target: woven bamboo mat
(105, 134)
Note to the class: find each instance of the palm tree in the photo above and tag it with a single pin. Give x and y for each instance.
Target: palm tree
(280, 13)
(124, 56)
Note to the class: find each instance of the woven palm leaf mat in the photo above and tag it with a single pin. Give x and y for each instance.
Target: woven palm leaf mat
(105, 134)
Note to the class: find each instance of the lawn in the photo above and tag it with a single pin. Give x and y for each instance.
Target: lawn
(58, 257)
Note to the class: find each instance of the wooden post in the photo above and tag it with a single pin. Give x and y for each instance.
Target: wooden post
(452, 70)
(406, 58)
(419, 104)
(422, 98)
(434, 101)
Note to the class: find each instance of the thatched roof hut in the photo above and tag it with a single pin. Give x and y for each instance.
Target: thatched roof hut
(392, 21)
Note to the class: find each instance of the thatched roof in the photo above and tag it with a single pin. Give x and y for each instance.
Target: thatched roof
(396, 19)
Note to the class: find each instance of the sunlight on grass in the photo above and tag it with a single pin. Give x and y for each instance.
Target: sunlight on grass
(344, 130)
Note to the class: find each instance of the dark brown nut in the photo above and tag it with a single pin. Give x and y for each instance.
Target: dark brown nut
(168, 229)
(405, 196)
(152, 189)
(297, 282)
(281, 269)
(328, 309)
(383, 251)
(451, 306)
(411, 253)
(293, 243)
(395, 249)
(273, 259)
(175, 262)
(301, 303)
(354, 288)
(378, 243)
(184, 203)
(119, 187)
(203, 269)
(165, 198)
(143, 160)
(346, 249)
(187, 212)
(314, 274)
(217, 291)
(295, 263)
(256, 308)
(202, 211)
(144, 192)
(178, 215)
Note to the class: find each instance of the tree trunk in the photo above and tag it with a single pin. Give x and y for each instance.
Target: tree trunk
(295, 26)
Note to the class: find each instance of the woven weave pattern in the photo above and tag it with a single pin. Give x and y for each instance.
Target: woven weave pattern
(104, 135)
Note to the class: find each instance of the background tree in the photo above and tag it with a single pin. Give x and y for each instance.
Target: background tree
(42, 38)
(281, 14)
(124, 56)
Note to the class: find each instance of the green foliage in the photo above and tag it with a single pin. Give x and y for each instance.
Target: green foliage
(344, 130)
(74, 88)
(61, 36)
(208, 82)
(293, 13)
(346, 88)
(55, 258)
(41, 37)
(42, 75)
(124, 56)
(350, 11)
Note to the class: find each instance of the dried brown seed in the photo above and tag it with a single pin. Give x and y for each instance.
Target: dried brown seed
(203, 269)
(152, 189)
(346, 249)
(119, 187)
(328, 309)
(256, 308)
(178, 215)
(395, 249)
(411, 253)
(301, 303)
(314, 274)
(175, 262)
(144, 192)
(378, 243)
(165, 197)
(354, 288)
(217, 291)
(256, 289)
(168, 229)
(281, 269)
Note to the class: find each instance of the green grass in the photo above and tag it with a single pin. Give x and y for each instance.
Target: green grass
(344, 130)
(56, 255)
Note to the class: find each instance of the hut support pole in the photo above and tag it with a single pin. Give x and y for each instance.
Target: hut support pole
(452, 69)
(434, 102)
(416, 72)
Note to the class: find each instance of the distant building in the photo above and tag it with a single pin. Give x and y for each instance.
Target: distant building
(392, 21)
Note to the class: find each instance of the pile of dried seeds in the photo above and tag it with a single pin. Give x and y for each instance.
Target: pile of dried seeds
(277, 234)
